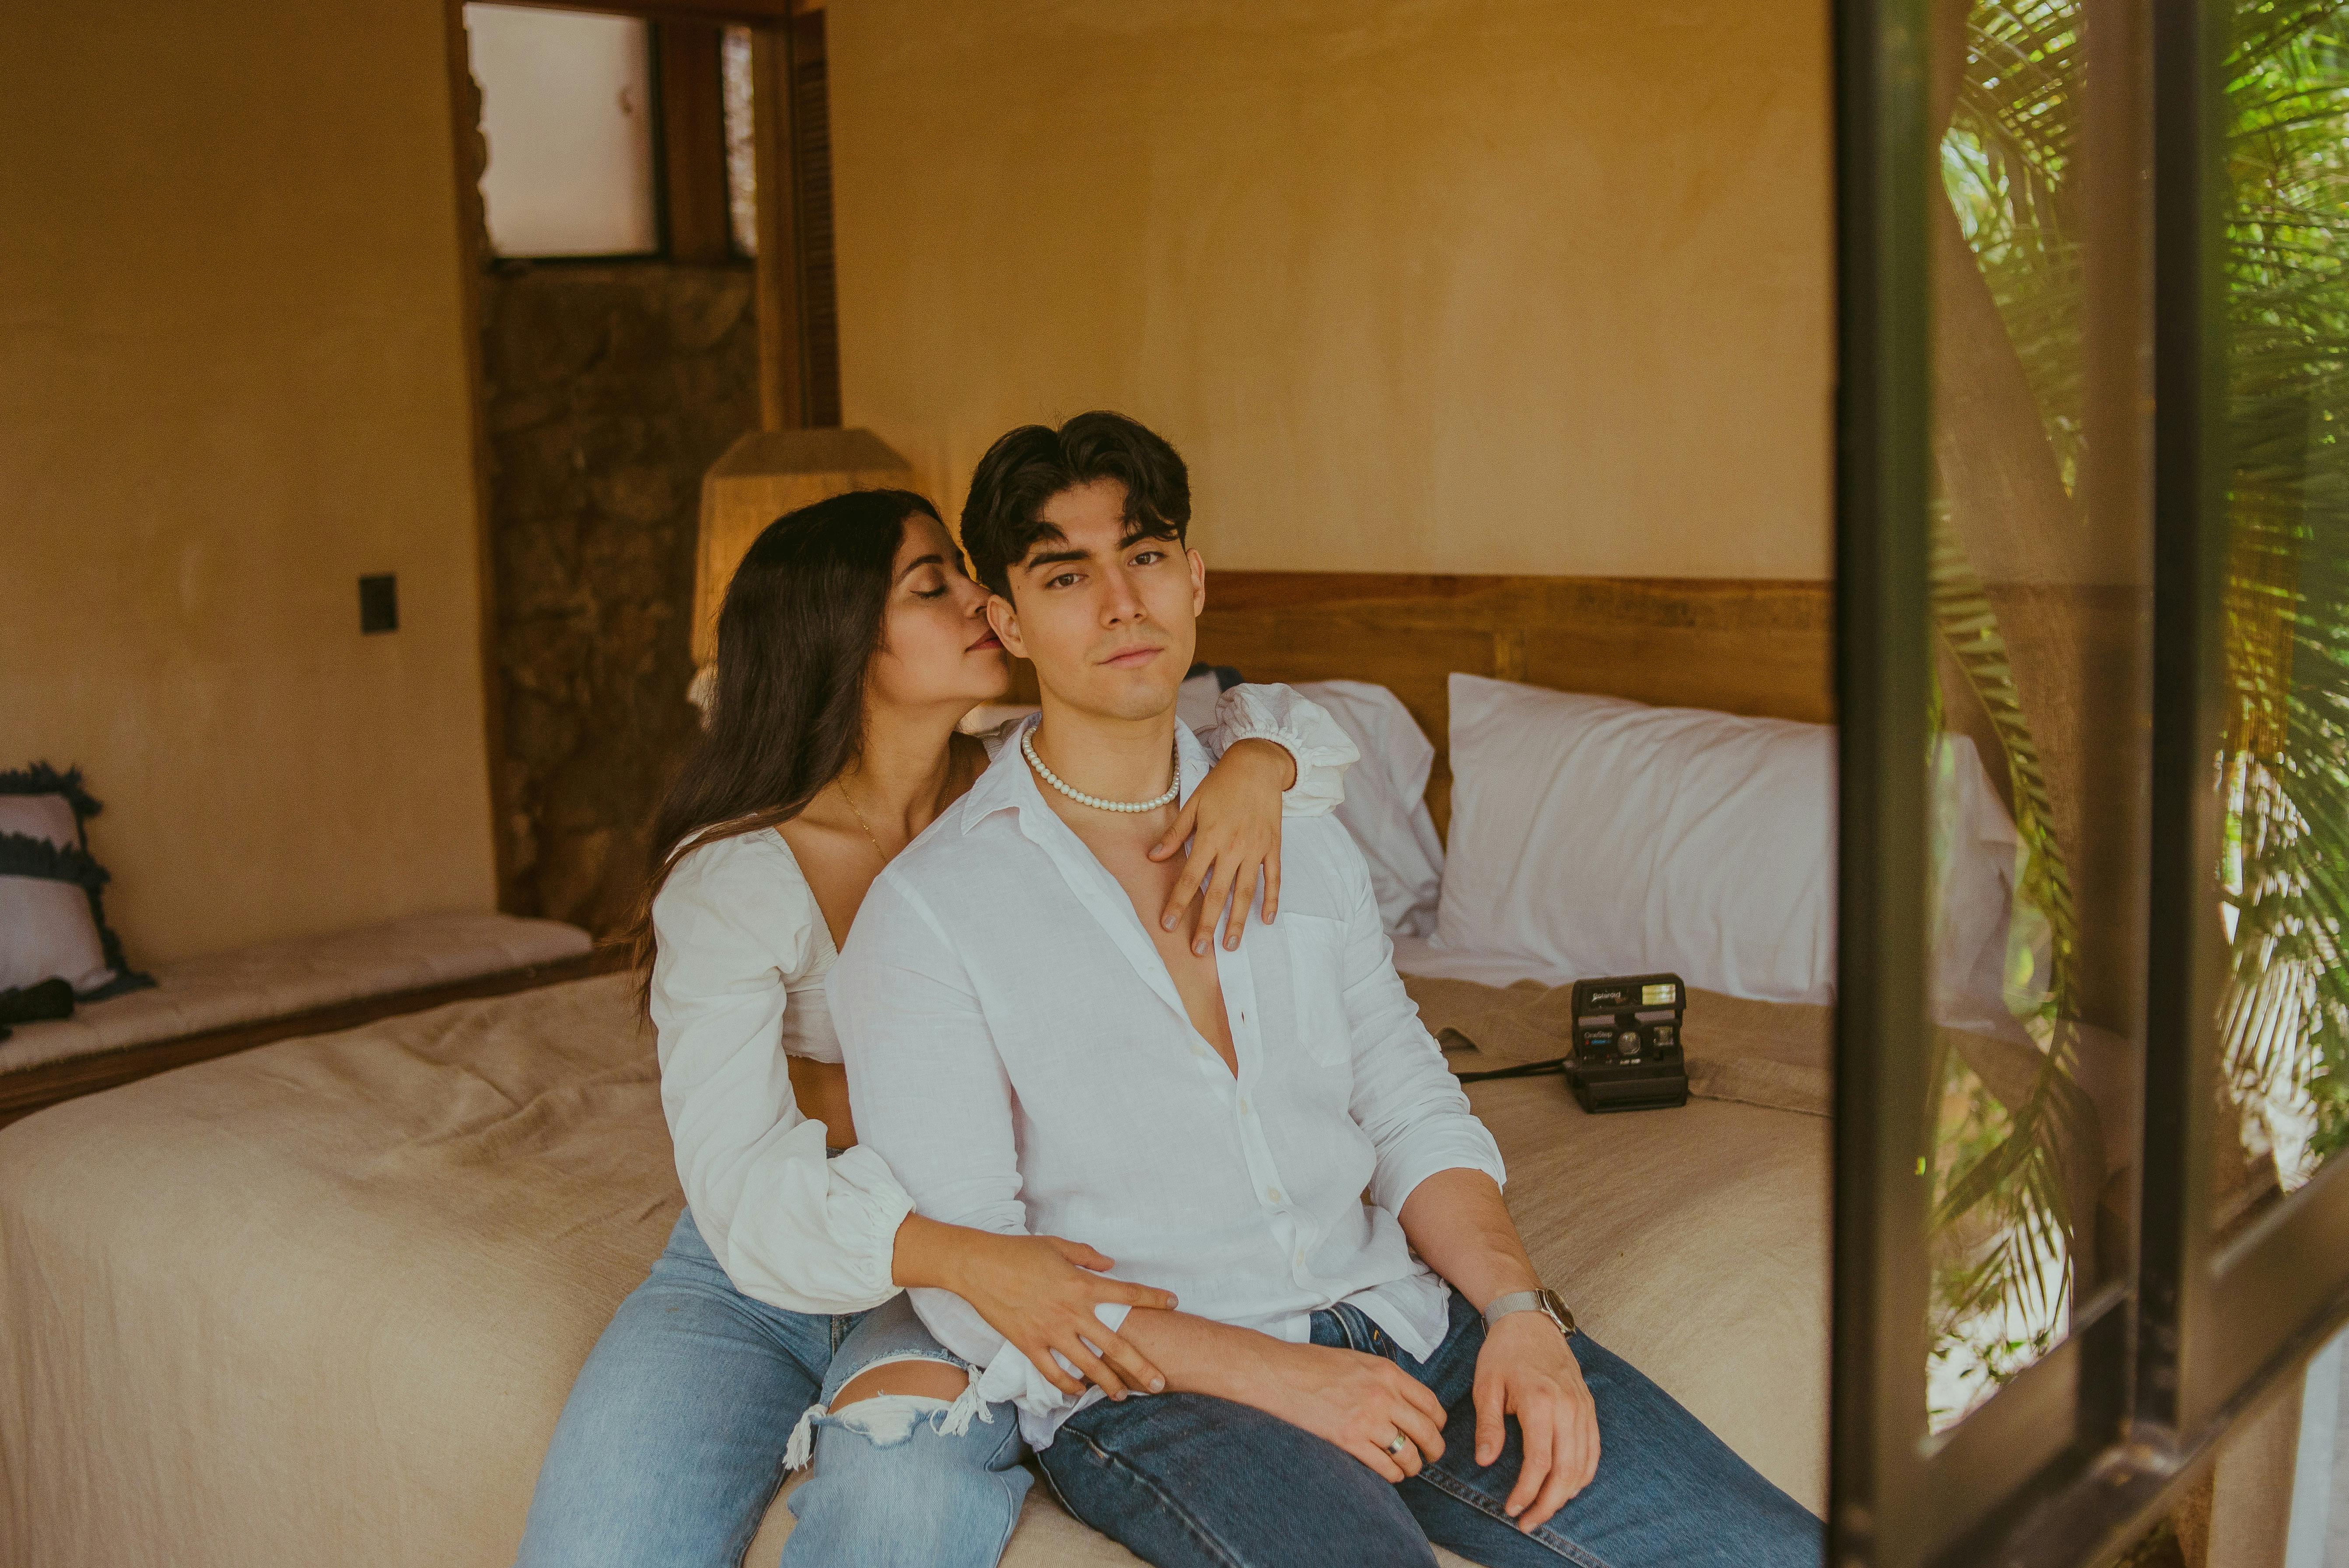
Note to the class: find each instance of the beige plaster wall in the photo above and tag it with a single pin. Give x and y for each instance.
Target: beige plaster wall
(1495, 286)
(232, 380)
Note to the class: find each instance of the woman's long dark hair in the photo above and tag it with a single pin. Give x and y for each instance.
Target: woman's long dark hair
(802, 618)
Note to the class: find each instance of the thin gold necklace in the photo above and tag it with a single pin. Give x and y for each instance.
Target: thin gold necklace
(860, 819)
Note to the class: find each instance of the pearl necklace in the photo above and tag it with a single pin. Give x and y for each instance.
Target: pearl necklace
(1028, 749)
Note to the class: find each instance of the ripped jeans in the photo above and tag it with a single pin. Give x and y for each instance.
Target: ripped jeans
(698, 1401)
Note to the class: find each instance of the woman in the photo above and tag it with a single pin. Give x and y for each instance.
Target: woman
(851, 646)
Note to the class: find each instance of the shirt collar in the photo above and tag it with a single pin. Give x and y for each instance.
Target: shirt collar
(1010, 784)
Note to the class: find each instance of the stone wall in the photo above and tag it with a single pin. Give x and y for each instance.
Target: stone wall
(609, 391)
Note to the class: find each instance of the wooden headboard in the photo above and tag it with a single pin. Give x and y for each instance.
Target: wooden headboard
(1751, 647)
(1756, 647)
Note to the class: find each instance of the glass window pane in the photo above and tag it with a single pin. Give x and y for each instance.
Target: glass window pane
(741, 163)
(566, 108)
(2283, 887)
(2039, 774)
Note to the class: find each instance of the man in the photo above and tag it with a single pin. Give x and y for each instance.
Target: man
(1268, 1133)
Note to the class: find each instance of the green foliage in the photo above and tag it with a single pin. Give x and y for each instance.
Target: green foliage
(2004, 165)
(2002, 1227)
(2000, 1222)
(2285, 1017)
(2002, 1235)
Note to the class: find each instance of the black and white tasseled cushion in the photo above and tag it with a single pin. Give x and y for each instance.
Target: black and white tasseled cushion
(52, 915)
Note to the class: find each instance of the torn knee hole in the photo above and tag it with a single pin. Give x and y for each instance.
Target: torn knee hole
(887, 1420)
(885, 1400)
(904, 1376)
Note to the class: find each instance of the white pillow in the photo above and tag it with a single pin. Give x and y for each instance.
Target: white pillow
(47, 929)
(1597, 836)
(1604, 837)
(1386, 801)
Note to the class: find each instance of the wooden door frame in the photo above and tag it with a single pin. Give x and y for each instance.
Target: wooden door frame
(776, 292)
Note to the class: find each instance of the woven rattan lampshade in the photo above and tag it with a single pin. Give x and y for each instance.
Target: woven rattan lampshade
(763, 476)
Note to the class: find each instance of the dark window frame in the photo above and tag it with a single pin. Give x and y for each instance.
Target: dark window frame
(2087, 1444)
(689, 144)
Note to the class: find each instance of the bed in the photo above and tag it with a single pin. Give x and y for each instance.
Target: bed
(321, 1301)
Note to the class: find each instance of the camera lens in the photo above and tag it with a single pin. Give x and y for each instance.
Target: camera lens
(1627, 1042)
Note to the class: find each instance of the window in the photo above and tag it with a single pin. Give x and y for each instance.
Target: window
(741, 156)
(2091, 515)
(567, 111)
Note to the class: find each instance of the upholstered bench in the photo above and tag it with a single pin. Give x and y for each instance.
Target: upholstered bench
(224, 1002)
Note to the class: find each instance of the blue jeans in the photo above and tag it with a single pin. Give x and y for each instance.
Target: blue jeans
(671, 1447)
(1188, 1479)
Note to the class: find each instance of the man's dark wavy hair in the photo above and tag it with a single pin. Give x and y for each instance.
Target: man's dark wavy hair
(1024, 470)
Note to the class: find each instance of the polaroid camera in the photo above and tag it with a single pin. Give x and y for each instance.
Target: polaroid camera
(1626, 1043)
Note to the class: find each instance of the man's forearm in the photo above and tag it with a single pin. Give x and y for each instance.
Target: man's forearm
(1200, 1355)
(1456, 1220)
(1365, 1404)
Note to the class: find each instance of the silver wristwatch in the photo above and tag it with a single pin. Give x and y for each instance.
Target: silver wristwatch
(1547, 1301)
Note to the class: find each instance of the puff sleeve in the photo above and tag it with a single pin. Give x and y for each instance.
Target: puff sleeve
(1298, 725)
(735, 922)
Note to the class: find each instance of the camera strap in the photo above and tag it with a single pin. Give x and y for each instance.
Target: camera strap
(1523, 1069)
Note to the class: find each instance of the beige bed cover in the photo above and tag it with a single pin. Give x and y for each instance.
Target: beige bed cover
(320, 1303)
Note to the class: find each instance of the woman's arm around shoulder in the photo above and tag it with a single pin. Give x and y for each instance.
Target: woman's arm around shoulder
(1277, 754)
(1318, 750)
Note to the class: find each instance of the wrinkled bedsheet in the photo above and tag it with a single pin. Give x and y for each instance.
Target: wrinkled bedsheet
(321, 1301)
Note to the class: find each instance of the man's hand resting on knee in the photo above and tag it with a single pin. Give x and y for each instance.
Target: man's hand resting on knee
(1361, 1403)
(1526, 1370)
(1457, 1223)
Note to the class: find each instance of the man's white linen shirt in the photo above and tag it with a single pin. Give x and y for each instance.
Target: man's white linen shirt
(1017, 1053)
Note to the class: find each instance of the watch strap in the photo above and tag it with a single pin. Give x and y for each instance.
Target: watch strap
(1545, 1302)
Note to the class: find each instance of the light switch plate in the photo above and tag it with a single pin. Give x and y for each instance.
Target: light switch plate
(379, 604)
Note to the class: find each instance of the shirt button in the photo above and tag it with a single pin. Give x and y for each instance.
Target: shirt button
(1273, 1193)
(1244, 1109)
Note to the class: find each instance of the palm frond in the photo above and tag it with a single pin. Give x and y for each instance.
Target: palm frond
(2005, 1167)
(2284, 1015)
(2002, 1168)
